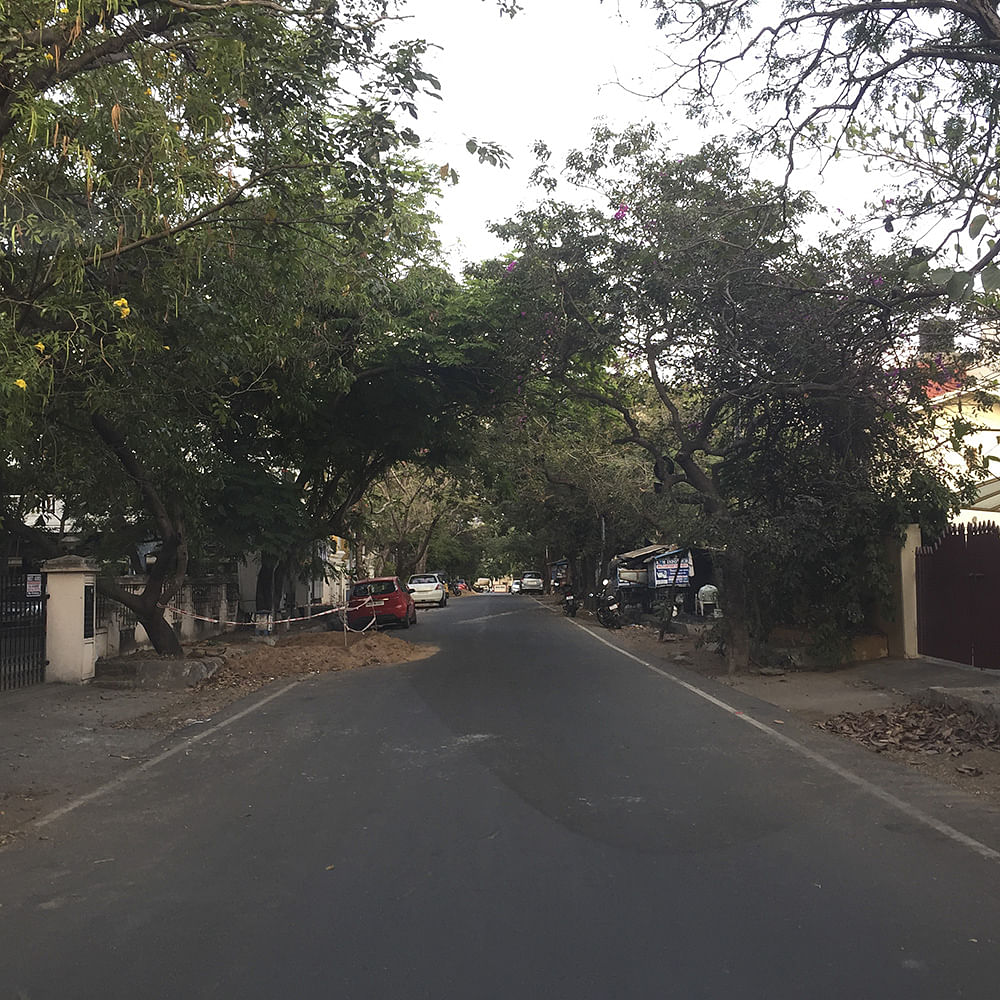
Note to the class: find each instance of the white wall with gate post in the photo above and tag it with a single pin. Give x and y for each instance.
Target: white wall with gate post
(70, 617)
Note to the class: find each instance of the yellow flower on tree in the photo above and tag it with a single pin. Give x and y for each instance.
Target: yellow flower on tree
(20, 383)
(122, 305)
(40, 347)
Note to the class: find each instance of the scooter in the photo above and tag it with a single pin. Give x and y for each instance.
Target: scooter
(570, 604)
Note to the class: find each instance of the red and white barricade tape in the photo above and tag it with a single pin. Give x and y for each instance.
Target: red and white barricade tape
(277, 621)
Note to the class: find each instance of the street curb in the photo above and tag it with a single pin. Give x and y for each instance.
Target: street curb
(155, 673)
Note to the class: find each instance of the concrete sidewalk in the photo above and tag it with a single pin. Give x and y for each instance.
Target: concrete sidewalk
(934, 682)
(819, 694)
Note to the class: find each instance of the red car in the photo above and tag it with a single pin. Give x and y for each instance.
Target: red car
(383, 598)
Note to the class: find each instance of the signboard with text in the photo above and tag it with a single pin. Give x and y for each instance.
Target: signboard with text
(672, 570)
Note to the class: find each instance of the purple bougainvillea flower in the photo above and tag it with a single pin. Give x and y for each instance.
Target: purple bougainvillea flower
(622, 211)
(510, 267)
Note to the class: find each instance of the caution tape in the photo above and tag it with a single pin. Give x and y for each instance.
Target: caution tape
(277, 621)
(221, 621)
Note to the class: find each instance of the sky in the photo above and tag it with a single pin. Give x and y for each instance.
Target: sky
(552, 72)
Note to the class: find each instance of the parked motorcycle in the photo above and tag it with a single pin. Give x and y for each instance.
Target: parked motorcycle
(609, 609)
(570, 604)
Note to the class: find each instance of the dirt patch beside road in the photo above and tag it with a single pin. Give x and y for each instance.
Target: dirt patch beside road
(251, 663)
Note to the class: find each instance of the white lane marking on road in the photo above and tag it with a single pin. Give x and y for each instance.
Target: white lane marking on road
(817, 758)
(486, 618)
(153, 761)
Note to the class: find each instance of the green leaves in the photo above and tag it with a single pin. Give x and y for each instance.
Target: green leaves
(488, 152)
(958, 284)
(991, 278)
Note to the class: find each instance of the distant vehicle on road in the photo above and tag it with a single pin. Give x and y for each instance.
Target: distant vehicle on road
(428, 588)
(515, 586)
(531, 582)
(484, 583)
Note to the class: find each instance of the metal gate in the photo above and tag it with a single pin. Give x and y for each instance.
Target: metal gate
(958, 587)
(22, 629)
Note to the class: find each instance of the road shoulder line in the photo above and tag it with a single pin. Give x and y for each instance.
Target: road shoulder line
(918, 815)
(147, 765)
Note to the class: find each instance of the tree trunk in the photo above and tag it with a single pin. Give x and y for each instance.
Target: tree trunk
(287, 579)
(667, 611)
(732, 600)
(167, 574)
(264, 596)
(164, 639)
(148, 610)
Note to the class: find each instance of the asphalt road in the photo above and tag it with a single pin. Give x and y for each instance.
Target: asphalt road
(528, 813)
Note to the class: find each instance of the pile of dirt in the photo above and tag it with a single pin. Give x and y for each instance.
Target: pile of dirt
(916, 728)
(250, 663)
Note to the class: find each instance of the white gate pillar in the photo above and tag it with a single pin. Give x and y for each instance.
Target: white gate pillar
(901, 630)
(70, 617)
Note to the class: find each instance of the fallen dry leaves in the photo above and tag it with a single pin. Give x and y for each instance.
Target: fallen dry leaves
(917, 728)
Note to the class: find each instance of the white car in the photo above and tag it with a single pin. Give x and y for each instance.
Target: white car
(428, 588)
(531, 583)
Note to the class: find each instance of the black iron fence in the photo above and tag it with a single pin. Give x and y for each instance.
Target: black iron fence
(22, 629)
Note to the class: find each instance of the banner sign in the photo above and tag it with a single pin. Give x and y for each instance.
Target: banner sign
(672, 570)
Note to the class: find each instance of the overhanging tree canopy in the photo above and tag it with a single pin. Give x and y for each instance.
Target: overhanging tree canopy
(912, 83)
(788, 402)
(205, 221)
